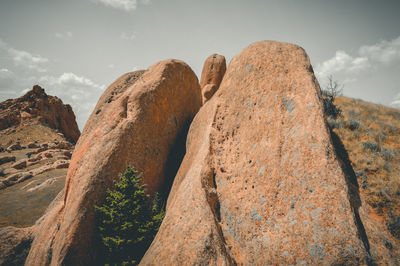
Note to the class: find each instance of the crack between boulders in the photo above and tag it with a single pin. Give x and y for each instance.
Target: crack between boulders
(210, 188)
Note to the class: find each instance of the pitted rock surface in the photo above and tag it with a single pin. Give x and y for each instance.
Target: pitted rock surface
(137, 127)
(261, 183)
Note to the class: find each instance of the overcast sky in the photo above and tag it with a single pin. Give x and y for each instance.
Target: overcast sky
(76, 48)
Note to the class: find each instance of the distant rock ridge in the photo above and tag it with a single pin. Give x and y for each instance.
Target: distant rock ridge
(38, 107)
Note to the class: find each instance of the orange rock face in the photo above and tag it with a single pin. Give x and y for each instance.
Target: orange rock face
(261, 183)
(213, 71)
(48, 110)
(135, 123)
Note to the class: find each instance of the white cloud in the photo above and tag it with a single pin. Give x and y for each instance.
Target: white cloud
(382, 53)
(127, 5)
(81, 92)
(385, 52)
(5, 73)
(24, 59)
(341, 62)
(64, 35)
(111, 65)
(127, 36)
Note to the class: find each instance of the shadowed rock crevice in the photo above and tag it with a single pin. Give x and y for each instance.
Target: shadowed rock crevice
(174, 160)
(353, 188)
(210, 188)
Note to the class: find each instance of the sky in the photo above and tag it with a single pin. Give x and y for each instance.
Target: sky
(76, 48)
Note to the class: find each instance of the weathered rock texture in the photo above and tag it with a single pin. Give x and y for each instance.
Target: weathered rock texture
(261, 183)
(135, 123)
(213, 72)
(37, 106)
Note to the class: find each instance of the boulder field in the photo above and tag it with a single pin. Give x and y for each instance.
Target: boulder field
(136, 123)
(263, 180)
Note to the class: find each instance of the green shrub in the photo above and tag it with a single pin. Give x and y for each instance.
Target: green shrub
(353, 124)
(128, 220)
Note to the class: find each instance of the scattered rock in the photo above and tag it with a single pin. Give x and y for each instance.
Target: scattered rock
(6, 158)
(61, 164)
(19, 164)
(16, 178)
(33, 145)
(45, 184)
(14, 147)
(9, 171)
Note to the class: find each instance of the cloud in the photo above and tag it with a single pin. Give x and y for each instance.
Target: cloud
(24, 59)
(367, 56)
(385, 52)
(81, 92)
(127, 36)
(127, 5)
(6, 73)
(342, 62)
(64, 35)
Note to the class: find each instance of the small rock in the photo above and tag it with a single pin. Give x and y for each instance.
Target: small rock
(14, 147)
(6, 159)
(19, 164)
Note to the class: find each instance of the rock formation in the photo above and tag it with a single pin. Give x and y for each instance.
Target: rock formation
(39, 107)
(213, 71)
(136, 123)
(261, 182)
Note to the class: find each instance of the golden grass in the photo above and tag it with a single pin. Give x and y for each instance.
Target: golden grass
(374, 151)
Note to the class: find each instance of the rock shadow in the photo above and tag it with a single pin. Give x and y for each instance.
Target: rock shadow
(174, 160)
(353, 188)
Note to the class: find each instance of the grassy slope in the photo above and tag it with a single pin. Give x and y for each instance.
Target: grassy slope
(371, 135)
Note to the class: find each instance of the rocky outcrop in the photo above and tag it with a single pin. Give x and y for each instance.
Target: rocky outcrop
(37, 106)
(261, 182)
(211, 77)
(135, 123)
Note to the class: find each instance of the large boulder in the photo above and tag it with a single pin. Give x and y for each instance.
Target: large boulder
(212, 74)
(261, 182)
(135, 124)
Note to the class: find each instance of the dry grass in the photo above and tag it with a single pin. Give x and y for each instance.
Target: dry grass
(371, 135)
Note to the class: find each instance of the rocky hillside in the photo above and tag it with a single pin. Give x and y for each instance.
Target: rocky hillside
(37, 139)
(254, 171)
(18, 117)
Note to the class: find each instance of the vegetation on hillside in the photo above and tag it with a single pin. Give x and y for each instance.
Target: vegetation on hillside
(371, 136)
(128, 220)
